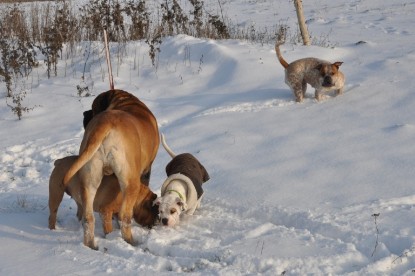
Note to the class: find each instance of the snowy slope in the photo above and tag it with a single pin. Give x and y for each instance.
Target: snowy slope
(294, 187)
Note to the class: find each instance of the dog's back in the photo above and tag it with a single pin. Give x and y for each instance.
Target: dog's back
(189, 166)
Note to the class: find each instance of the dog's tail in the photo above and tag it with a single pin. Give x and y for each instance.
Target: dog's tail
(280, 41)
(166, 147)
(92, 146)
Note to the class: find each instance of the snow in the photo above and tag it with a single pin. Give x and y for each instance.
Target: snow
(303, 189)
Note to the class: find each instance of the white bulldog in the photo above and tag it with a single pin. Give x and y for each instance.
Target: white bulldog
(182, 191)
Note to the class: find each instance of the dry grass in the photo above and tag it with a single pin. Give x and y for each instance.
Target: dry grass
(21, 1)
(28, 32)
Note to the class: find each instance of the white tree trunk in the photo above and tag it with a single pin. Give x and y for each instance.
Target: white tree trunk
(301, 22)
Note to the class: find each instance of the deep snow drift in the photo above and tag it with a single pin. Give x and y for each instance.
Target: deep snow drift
(314, 188)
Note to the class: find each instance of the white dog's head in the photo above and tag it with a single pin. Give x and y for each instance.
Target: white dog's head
(170, 207)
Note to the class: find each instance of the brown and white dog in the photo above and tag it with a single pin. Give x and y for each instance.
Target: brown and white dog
(107, 201)
(121, 138)
(182, 190)
(322, 75)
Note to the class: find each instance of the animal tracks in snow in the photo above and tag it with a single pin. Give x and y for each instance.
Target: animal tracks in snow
(225, 238)
(247, 107)
(221, 238)
(257, 106)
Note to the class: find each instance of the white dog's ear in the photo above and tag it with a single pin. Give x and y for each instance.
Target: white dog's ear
(157, 201)
(182, 204)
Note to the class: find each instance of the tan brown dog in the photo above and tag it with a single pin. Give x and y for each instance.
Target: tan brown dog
(107, 200)
(322, 75)
(121, 138)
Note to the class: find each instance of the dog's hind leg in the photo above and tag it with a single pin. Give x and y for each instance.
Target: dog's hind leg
(304, 88)
(298, 93)
(91, 176)
(298, 90)
(88, 195)
(130, 194)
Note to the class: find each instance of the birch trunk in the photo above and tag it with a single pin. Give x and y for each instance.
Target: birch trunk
(301, 22)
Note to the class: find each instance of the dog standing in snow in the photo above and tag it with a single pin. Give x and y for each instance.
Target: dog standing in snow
(182, 191)
(122, 138)
(107, 200)
(322, 75)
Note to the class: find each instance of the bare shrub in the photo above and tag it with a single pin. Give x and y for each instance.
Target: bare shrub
(17, 107)
(117, 30)
(51, 47)
(66, 24)
(197, 22)
(98, 15)
(35, 23)
(95, 15)
(154, 42)
(174, 21)
(18, 56)
(140, 19)
(220, 30)
(53, 27)
(83, 90)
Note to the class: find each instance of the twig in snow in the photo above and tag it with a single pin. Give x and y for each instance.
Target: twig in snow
(375, 216)
(107, 51)
(404, 254)
(262, 246)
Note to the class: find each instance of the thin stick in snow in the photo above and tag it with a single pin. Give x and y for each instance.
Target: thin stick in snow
(107, 52)
(377, 233)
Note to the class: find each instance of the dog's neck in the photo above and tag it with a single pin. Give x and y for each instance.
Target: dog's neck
(177, 187)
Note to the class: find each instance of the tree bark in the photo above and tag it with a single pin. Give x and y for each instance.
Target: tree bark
(301, 22)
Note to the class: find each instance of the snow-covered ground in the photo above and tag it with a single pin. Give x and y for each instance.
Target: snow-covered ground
(297, 189)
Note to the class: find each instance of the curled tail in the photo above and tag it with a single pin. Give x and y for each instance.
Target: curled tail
(166, 147)
(280, 41)
(280, 58)
(94, 142)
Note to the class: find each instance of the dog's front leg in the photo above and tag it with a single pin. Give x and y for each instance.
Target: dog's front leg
(318, 95)
(55, 199)
(106, 217)
(79, 211)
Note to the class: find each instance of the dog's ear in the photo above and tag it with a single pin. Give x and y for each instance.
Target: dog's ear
(157, 201)
(87, 117)
(206, 176)
(337, 64)
(181, 203)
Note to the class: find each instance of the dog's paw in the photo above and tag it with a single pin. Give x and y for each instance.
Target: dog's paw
(93, 246)
(133, 242)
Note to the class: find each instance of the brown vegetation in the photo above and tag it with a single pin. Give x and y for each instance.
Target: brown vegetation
(35, 32)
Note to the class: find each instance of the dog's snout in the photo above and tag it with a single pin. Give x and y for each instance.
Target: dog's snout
(327, 81)
(164, 221)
